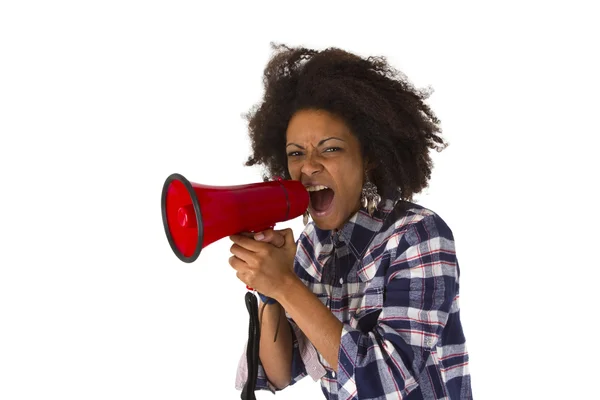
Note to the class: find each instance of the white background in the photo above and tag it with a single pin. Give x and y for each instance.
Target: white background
(101, 101)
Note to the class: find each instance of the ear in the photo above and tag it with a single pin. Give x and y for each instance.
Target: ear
(370, 165)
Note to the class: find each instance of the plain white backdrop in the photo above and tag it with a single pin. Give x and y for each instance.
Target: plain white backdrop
(101, 101)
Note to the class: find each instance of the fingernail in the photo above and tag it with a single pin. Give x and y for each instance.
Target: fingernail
(259, 236)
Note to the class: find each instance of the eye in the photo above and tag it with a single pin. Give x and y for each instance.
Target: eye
(332, 149)
(294, 153)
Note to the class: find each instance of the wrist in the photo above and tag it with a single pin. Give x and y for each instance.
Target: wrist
(265, 299)
(289, 289)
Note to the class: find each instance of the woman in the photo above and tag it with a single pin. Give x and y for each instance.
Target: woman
(370, 289)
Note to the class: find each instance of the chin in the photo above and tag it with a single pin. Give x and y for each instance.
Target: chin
(327, 223)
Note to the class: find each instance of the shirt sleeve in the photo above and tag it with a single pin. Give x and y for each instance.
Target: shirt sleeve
(420, 286)
(305, 362)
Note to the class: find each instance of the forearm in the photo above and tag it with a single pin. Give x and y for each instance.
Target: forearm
(315, 320)
(276, 357)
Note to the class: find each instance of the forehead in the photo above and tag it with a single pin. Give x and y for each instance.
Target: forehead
(314, 125)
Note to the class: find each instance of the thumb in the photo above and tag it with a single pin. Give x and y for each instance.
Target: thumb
(288, 234)
(271, 236)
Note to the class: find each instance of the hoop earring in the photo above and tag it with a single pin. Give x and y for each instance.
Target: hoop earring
(370, 199)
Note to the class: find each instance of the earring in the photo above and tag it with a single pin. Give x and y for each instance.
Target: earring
(370, 199)
(305, 217)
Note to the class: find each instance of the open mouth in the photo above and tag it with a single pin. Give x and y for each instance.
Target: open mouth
(321, 198)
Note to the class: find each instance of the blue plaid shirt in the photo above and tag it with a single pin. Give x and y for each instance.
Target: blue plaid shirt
(393, 281)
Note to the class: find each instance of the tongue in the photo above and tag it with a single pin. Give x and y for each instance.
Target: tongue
(321, 200)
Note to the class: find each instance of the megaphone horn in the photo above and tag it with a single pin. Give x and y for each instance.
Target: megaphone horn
(196, 215)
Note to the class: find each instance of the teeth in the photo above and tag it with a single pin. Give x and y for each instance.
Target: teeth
(316, 188)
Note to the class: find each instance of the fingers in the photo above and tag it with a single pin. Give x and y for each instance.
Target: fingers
(243, 276)
(237, 264)
(247, 243)
(242, 253)
(270, 236)
(243, 272)
(277, 238)
(288, 234)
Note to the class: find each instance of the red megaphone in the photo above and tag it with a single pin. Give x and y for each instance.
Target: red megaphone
(196, 215)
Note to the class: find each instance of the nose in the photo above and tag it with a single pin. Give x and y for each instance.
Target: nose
(311, 165)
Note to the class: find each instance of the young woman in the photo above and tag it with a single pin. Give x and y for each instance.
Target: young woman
(369, 292)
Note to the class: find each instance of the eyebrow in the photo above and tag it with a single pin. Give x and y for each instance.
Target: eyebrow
(320, 143)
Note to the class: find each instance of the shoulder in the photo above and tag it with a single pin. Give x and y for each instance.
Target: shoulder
(409, 224)
(408, 216)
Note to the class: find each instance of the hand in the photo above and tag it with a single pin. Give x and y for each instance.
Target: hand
(276, 238)
(264, 263)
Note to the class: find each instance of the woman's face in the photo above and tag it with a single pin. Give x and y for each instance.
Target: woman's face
(325, 156)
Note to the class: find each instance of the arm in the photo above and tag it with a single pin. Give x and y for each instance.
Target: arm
(420, 286)
(278, 371)
(281, 361)
(276, 357)
(315, 320)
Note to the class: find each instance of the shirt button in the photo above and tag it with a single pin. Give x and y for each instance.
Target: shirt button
(341, 280)
(333, 374)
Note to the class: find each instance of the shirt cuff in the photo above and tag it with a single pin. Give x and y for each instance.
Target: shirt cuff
(262, 383)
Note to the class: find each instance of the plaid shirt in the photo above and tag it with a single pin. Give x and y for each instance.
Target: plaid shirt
(393, 281)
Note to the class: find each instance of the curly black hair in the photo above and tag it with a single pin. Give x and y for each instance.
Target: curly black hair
(380, 106)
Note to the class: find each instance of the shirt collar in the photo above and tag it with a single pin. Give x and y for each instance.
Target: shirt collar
(357, 233)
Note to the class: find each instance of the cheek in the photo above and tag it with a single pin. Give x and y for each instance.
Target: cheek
(353, 182)
(294, 171)
(349, 177)
(352, 172)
